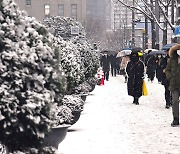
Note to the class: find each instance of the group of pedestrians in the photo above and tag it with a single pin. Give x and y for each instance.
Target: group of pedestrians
(165, 67)
(155, 67)
(110, 64)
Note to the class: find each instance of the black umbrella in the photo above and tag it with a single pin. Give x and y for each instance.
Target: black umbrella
(137, 49)
(159, 52)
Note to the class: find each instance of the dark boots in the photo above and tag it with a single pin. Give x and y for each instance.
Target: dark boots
(136, 101)
(175, 122)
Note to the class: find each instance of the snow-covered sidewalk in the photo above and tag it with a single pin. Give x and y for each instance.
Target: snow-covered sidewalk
(111, 124)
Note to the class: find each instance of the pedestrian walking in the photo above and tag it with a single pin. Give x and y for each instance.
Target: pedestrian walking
(164, 80)
(173, 75)
(113, 64)
(151, 67)
(135, 72)
(158, 68)
(105, 64)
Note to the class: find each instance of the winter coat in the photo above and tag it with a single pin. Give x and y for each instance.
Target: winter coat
(151, 64)
(163, 65)
(105, 63)
(113, 60)
(135, 73)
(173, 69)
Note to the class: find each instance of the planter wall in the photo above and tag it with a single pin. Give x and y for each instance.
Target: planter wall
(76, 117)
(56, 135)
(83, 97)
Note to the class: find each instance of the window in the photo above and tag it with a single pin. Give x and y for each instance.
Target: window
(28, 2)
(74, 11)
(61, 9)
(47, 10)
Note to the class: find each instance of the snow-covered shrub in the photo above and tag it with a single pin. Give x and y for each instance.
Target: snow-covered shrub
(78, 59)
(30, 79)
(83, 88)
(63, 115)
(74, 102)
(92, 80)
(71, 64)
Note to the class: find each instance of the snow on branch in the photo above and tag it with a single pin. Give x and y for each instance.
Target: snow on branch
(148, 12)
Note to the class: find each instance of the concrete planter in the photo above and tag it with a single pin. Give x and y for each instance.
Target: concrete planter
(76, 117)
(56, 135)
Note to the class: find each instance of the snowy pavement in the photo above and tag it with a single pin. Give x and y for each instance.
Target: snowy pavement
(111, 124)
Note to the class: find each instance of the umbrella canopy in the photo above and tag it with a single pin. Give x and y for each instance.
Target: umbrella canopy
(109, 52)
(147, 50)
(127, 52)
(137, 49)
(124, 53)
(126, 48)
(168, 46)
(158, 52)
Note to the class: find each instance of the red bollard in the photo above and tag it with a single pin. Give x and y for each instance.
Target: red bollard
(102, 80)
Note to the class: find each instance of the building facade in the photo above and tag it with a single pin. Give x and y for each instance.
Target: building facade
(41, 9)
(100, 10)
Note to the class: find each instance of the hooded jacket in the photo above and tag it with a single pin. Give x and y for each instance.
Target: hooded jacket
(173, 69)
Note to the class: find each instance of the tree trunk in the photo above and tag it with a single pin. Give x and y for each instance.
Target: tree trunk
(153, 30)
(153, 34)
(146, 33)
(165, 29)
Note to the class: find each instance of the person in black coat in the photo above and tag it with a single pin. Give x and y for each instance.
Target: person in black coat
(135, 72)
(151, 67)
(159, 69)
(165, 82)
(113, 62)
(105, 64)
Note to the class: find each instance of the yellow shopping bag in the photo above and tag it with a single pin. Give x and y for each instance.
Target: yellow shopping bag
(144, 89)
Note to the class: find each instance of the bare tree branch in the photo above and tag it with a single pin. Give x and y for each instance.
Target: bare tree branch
(166, 17)
(168, 3)
(133, 7)
(151, 16)
(160, 1)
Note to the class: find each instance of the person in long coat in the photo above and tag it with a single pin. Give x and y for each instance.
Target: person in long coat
(113, 64)
(173, 74)
(158, 68)
(151, 67)
(164, 80)
(135, 72)
(105, 64)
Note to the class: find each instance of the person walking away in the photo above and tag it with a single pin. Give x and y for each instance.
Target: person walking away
(105, 64)
(158, 68)
(151, 67)
(135, 72)
(113, 64)
(164, 80)
(173, 75)
(123, 65)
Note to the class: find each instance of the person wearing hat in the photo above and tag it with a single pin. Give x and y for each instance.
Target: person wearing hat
(135, 72)
(173, 75)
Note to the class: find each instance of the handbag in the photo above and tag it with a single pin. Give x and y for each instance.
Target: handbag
(144, 89)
